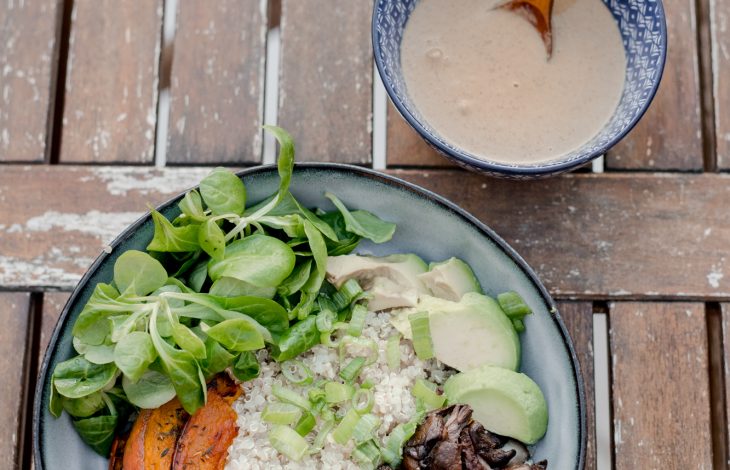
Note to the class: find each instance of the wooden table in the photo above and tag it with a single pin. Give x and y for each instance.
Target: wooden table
(107, 105)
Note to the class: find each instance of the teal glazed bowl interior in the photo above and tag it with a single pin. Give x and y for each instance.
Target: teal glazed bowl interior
(429, 226)
(643, 29)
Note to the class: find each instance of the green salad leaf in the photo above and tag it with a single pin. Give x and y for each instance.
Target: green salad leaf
(217, 283)
(223, 192)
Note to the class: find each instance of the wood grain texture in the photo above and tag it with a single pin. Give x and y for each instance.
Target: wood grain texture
(587, 235)
(720, 34)
(669, 136)
(660, 386)
(53, 303)
(110, 106)
(578, 318)
(725, 313)
(406, 148)
(28, 56)
(615, 235)
(217, 84)
(14, 314)
(325, 88)
(63, 216)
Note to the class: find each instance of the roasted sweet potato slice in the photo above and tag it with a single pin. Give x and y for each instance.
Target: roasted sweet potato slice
(225, 387)
(163, 431)
(134, 448)
(208, 434)
(157, 434)
(116, 456)
(151, 443)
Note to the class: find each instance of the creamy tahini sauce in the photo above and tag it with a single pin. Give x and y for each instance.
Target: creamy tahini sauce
(481, 78)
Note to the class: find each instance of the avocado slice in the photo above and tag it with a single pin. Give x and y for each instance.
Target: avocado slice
(391, 280)
(472, 332)
(450, 279)
(505, 402)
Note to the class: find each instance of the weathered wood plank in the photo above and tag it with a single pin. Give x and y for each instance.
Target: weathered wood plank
(589, 235)
(660, 385)
(720, 34)
(669, 136)
(325, 97)
(405, 146)
(14, 314)
(578, 318)
(110, 106)
(725, 314)
(28, 34)
(217, 96)
(57, 219)
(53, 303)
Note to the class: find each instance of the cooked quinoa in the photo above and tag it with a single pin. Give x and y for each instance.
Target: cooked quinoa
(393, 401)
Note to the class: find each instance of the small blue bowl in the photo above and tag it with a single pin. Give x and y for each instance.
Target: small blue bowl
(643, 31)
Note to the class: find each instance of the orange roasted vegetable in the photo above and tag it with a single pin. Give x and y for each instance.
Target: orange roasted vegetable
(116, 455)
(151, 443)
(208, 434)
(168, 437)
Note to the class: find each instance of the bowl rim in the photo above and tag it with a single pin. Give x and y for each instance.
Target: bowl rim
(547, 168)
(350, 170)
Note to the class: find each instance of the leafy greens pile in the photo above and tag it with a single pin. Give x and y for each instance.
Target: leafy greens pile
(217, 283)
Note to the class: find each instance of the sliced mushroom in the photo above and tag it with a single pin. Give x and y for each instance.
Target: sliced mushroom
(521, 454)
(449, 439)
(526, 466)
(446, 455)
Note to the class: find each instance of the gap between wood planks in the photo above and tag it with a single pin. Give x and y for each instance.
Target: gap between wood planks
(718, 405)
(55, 113)
(30, 361)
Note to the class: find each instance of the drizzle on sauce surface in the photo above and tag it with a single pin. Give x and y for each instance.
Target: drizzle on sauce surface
(480, 76)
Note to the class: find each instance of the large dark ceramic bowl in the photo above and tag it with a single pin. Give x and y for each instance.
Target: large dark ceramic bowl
(429, 226)
(644, 34)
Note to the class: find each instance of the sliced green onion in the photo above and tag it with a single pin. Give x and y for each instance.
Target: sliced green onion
(290, 396)
(367, 384)
(519, 324)
(357, 321)
(426, 392)
(421, 330)
(350, 345)
(306, 424)
(338, 330)
(365, 428)
(315, 394)
(281, 413)
(318, 407)
(324, 302)
(335, 392)
(343, 431)
(297, 372)
(327, 414)
(326, 320)
(513, 305)
(392, 448)
(368, 454)
(321, 438)
(363, 400)
(348, 292)
(392, 352)
(353, 368)
(288, 442)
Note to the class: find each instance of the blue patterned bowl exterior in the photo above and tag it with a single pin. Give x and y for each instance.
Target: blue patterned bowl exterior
(643, 31)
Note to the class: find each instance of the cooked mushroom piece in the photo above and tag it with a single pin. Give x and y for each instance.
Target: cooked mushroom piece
(449, 439)
(526, 466)
(521, 453)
